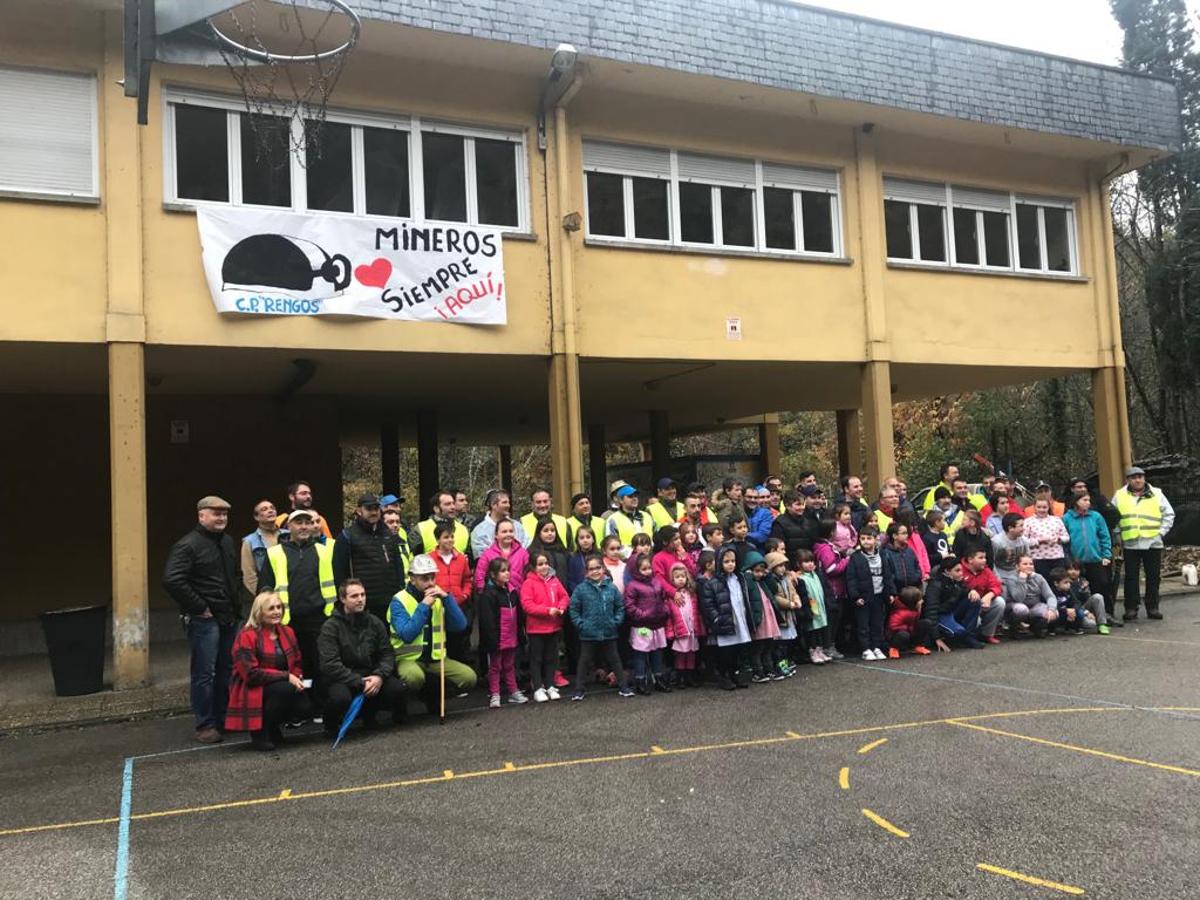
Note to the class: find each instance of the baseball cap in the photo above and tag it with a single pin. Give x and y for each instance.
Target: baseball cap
(212, 501)
(810, 490)
(368, 500)
(664, 483)
(298, 513)
(625, 491)
(389, 499)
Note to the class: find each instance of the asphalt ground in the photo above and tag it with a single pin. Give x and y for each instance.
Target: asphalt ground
(1073, 761)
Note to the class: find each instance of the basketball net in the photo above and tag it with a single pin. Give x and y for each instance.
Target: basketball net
(286, 71)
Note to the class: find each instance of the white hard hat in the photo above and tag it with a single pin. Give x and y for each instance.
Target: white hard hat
(423, 565)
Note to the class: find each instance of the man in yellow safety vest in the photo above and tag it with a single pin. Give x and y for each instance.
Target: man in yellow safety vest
(543, 504)
(665, 509)
(628, 520)
(418, 619)
(300, 571)
(442, 508)
(1146, 517)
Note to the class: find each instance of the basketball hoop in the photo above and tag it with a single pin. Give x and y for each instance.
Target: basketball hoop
(282, 63)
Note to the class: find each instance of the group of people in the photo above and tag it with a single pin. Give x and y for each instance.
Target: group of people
(732, 587)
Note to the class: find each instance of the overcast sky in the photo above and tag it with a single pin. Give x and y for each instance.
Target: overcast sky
(1082, 29)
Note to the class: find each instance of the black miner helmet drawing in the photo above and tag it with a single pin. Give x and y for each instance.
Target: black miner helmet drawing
(284, 262)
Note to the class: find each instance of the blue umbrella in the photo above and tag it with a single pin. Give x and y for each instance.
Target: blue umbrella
(355, 706)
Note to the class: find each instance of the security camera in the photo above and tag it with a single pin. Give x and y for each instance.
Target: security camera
(563, 58)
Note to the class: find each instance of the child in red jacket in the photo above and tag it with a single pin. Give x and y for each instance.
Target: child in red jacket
(906, 630)
(545, 602)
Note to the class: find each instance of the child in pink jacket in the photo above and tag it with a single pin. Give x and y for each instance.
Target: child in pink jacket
(545, 602)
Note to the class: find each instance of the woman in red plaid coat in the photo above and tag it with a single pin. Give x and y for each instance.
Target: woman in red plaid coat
(267, 687)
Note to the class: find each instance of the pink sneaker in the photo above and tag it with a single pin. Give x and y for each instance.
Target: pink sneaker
(560, 681)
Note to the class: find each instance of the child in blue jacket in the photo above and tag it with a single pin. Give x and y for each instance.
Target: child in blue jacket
(597, 611)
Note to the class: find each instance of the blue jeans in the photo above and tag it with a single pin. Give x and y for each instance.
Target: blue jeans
(646, 661)
(962, 620)
(212, 665)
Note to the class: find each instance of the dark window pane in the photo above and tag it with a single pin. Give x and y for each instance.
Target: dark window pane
(995, 238)
(201, 154)
(779, 216)
(496, 181)
(385, 157)
(737, 216)
(266, 161)
(965, 249)
(606, 204)
(1058, 240)
(896, 225)
(931, 226)
(445, 177)
(650, 217)
(695, 212)
(328, 169)
(817, 212)
(1029, 248)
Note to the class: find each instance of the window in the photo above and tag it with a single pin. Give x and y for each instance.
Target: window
(987, 229)
(914, 215)
(354, 164)
(1045, 236)
(49, 136)
(668, 196)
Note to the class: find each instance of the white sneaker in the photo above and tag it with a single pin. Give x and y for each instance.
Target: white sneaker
(869, 655)
(879, 654)
(494, 701)
(517, 697)
(540, 696)
(552, 693)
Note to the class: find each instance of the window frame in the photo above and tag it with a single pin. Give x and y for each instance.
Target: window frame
(674, 239)
(412, 126)
(1069, 206)
(93, 195)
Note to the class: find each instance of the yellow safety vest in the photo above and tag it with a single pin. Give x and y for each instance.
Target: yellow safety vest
(529, 522)
(574, 524)
(627, 527)
(462, 537)
(882, 521)
(414, 649)
(1141, 518)
(406, 553)
(278, 561)
(662, 518)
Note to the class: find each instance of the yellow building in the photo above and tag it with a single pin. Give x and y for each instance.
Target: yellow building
(719, 209)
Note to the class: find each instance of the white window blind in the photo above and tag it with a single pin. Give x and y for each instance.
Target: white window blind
(776, 175)
(626, 160)
(716, 170)
(988, 201)
(48, 135)
(913, 191)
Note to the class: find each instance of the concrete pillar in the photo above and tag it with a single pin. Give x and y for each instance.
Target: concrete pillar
(428, 477)
(504, 464)
(849, 439)
(660, 446)
(769, 451)
(389, 457)
(560, 444)
(877, 425)
(598, 466)
(1108, 404)
(125, 328)
(127, 465)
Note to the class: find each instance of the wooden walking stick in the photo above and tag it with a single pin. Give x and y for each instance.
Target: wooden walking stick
(442, 678)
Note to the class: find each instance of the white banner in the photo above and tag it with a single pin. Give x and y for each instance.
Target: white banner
(261, 262)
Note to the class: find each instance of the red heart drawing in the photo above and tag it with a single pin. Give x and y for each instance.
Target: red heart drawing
(374, 275)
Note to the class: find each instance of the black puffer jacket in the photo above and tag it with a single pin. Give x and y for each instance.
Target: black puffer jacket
(859, 583)
(797, 532)
(203, 571)
(942, 595)
(717, 607)
(370, 553)
(353, 647)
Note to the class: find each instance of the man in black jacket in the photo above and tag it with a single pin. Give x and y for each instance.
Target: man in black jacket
(357, 658)
(202, 576)
(951, 610)
(369, 551)
(799, 527)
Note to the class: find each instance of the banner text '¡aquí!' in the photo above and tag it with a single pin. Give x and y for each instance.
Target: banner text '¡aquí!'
(436, 240)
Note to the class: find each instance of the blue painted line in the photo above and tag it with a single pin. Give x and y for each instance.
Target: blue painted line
(121, 877)
(1009, 687)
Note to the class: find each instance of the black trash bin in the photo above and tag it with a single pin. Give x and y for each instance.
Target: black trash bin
(75, 639)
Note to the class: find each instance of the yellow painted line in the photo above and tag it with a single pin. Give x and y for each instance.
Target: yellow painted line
(509, 768)
(655, 749)
(1075, 748)
(885, 824)
(867, 748)
(447, 773)
(285, 794)
(791, 734)
(844, 778)
(1029, 879)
